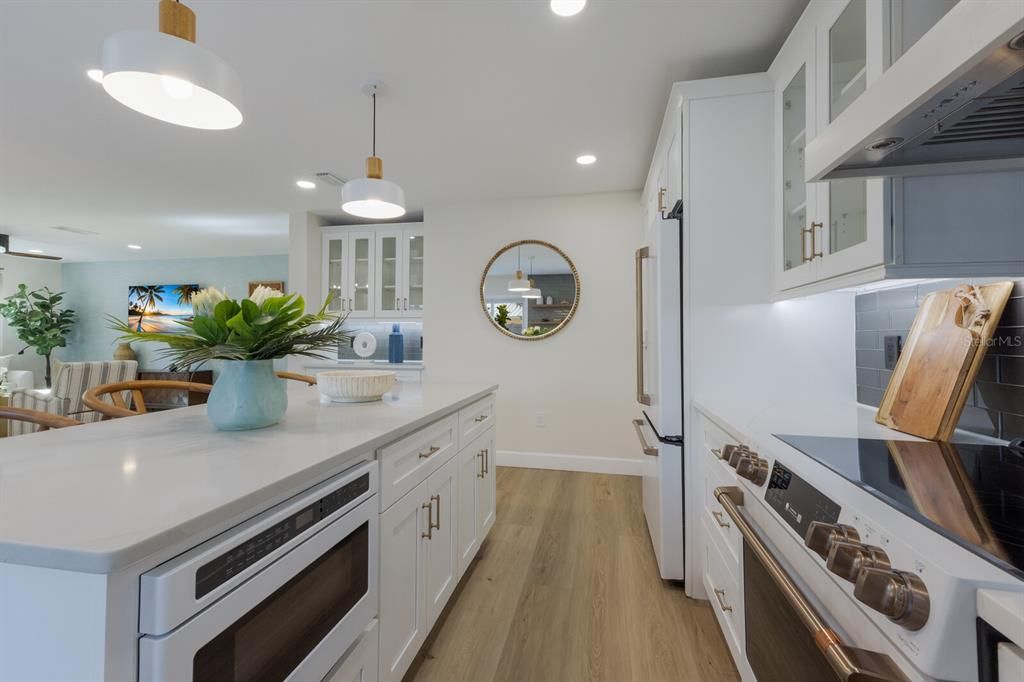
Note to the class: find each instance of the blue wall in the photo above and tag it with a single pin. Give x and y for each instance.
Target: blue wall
(95, 290)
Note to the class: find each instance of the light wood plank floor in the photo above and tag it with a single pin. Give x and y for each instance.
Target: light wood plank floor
(566, 588)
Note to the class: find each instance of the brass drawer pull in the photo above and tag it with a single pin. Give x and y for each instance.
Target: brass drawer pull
(430, 521)
(437, 523)
(718, 517)
(487, 461)
(720, 596)
(481, 418)
(434, 449)
(481, 456)
(847, 662)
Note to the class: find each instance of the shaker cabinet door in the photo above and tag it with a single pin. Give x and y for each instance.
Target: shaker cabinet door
(442, 546)
(471, 470)
(487, 494)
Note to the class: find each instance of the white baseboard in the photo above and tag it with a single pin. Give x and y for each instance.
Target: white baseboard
(586, 463)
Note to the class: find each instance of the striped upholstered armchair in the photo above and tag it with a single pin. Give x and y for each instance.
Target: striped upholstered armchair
(65, 398)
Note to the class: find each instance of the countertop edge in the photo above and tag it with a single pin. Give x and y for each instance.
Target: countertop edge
(203, 527)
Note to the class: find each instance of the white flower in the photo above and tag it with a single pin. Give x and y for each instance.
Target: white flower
(262, 293)
(204, 301)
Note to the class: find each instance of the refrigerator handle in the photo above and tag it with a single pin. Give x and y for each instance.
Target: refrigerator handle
(642, 397)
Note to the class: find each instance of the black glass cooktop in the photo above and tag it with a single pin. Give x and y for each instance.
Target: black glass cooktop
(971, 493)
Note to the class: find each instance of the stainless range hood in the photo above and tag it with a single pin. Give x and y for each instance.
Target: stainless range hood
(953, 103)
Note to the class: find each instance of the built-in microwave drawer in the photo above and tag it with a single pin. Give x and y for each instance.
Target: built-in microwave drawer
(406, 463)
(475, 419)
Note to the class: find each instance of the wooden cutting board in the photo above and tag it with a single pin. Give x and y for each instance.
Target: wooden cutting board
(941, 358)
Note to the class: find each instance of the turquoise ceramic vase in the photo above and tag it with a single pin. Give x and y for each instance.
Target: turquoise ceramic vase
(246, 395)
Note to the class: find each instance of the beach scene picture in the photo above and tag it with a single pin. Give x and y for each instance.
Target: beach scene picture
(160, 307)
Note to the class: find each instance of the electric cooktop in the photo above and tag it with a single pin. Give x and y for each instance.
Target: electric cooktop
(971, 493)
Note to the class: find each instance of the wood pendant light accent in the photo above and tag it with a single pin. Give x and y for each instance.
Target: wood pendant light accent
(941, 359)
(177, 20)
(374, 167)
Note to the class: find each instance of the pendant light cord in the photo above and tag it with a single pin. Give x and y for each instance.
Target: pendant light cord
(373, 130)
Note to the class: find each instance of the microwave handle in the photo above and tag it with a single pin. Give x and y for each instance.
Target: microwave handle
(849, 663)
(642, 397)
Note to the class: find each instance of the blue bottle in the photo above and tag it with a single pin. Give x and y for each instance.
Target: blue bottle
(396, 345)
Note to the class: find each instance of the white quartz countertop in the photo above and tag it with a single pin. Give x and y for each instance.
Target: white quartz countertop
(100, 497)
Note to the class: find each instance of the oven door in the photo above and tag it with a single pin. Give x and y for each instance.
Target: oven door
(786, 638)
(291, 621)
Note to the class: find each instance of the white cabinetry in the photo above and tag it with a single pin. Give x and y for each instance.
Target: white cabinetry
(375, 271)
(438, 505)
(348, 271)
(853, 231)
(399, 272)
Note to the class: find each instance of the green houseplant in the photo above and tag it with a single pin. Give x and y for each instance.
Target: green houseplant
(247, 335)
(39, 320)
(502, 315)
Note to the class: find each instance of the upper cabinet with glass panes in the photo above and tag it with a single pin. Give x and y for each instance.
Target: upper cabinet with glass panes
(374, 271)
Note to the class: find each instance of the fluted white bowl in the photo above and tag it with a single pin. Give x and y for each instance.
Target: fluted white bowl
(351, 386)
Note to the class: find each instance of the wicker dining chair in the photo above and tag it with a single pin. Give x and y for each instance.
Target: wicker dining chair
(44, 420)
(109, 399)
(295, 376)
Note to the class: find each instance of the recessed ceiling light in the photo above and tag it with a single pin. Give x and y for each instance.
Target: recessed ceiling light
(95, 74)
(305, 184)
(586, 159)
(134, 246)
(567, 8)
(35, 250)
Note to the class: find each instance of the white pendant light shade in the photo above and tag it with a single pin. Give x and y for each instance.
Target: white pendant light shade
(372, 198)
(171, 78)
(520, 283)
(532, 294)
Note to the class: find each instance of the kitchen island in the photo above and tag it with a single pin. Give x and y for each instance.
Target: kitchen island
(86, 511)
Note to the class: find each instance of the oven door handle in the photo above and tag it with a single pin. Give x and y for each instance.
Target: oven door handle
(849, 663)
(642, 397)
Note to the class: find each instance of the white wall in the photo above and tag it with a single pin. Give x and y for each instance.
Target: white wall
(582, 378)
(34, 273)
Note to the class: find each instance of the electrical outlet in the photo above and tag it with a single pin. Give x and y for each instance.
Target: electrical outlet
(893, 345)
(540, 420)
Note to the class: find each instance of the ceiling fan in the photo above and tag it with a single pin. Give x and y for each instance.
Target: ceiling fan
(5, 247)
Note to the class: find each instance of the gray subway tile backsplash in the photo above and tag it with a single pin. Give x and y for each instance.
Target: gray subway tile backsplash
(412, 341)
(995, 406)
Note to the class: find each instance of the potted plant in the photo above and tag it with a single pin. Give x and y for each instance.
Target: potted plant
(502, 316)
(39, 320)
(246, 335)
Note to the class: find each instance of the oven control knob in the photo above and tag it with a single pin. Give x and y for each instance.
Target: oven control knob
(820, 536)
(737, 453)
(900, 596)
(753, 468)
(847, 559)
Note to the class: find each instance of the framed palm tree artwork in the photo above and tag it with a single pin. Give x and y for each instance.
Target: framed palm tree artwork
(160, 307)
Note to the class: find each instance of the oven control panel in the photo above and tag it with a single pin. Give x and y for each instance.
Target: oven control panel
(797, 501)
(219, 570)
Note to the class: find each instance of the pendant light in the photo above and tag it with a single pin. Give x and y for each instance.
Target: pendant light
(520, 283)
(373, 196)
(167, 76)
(532, 293)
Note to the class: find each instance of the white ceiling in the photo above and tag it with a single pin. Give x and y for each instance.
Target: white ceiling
(486, 99)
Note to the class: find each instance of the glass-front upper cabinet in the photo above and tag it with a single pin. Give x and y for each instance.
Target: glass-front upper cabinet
(850, 54)
(795, 125)
(361, 295)
(334, 251)
(413, 271)
(389, 296)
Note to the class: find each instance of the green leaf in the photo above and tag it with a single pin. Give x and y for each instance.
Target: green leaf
(250, 311)
(225, 310)
(206, 327)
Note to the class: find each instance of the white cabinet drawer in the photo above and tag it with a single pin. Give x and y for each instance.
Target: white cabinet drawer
(715, 438)
(475, 419)
(406, 463)
(724, 593)
(360, 663)
(722, 527)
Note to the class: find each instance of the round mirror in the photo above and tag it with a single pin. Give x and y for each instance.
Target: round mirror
(530, 290)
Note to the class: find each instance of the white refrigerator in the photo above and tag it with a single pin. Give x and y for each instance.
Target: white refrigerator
(659, 390)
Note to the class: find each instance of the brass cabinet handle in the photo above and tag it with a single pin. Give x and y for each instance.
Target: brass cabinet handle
(641, 391)
(481, 456)
(350, 304)
(847, 662)
(433, 450)
(661, 198)
(430, 521)
(638, 424)
(814, 240)
(804, 231)
(342, 304)
(718, 517)
(405, 304)
(396, 303)
(720, 596)
(487, 461)
(481, 418)
(437, 498)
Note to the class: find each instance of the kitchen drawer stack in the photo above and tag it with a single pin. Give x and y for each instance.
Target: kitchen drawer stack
(437, 496)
